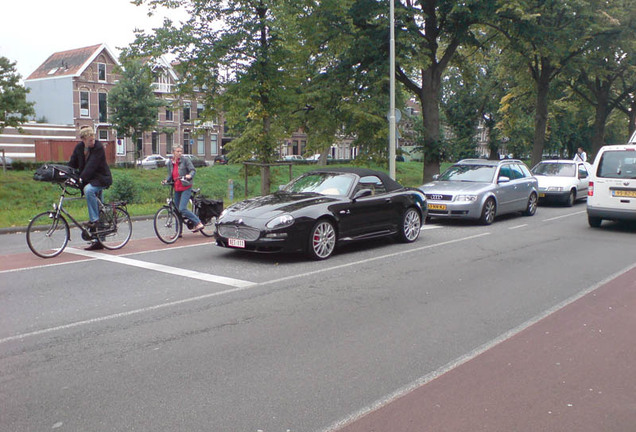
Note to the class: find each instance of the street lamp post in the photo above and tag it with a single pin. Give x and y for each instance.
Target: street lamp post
(392, 91)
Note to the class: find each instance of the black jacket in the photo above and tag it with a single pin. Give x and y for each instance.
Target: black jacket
(94, 169)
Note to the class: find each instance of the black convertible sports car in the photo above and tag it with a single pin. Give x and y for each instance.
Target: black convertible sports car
(322, 208)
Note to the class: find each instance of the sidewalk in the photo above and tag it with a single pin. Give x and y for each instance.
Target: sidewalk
(573, 371)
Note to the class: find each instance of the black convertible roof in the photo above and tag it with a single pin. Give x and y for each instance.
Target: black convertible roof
(389, 183)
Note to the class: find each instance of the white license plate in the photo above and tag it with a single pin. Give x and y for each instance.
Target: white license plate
(237, 243)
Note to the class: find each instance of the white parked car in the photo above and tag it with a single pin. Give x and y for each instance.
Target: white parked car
(562, 180)
(152, 162)
(292, 158)
(612, 193)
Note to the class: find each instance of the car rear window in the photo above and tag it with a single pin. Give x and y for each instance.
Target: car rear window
(554, 169)
(617, 164)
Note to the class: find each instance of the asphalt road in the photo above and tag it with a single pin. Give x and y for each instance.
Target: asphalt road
(199, 338)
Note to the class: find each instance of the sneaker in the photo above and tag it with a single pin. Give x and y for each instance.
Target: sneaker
(94, 246)
(198, 228)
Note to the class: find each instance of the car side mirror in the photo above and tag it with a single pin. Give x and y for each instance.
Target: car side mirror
(435, 176)
(362, 193)
(503, 179)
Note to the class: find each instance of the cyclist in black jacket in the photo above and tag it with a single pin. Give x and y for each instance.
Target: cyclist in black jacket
(89, 158)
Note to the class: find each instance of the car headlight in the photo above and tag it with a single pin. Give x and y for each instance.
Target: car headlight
(281, 221)
(555, 189)
(466, 198)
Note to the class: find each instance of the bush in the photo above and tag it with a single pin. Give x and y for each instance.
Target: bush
(123, 189)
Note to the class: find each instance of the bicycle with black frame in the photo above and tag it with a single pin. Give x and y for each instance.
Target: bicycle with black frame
(49, 232)
(169, 221)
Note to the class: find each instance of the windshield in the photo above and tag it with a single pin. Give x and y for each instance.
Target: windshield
(322, 183)
(617, 164)
(555, 169)
(469, 173)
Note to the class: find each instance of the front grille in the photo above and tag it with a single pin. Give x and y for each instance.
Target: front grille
(239, 232)
(439, 197)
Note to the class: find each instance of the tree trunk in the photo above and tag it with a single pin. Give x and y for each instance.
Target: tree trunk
(429, 99)
(541, 113)
(600, 119)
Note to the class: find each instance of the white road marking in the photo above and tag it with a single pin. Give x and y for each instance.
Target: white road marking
(164, 268)
(564, 216)
(429, 227)
(244, 284)
(518, 226)
(470, 355)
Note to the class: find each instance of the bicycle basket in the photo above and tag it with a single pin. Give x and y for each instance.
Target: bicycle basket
(209, 208)
(55, 173)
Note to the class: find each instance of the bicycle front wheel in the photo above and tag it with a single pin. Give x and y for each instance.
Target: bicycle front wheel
(209, 227)
(167, 225)
(118, 231)
(47, 235)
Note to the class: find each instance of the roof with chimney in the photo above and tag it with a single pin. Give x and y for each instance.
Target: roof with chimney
(70, 63)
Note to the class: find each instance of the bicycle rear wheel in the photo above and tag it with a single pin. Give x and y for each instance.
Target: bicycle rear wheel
(47, 235)
(167, 225)
(118, 230)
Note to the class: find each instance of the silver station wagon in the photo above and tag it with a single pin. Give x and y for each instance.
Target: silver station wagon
(482, 189)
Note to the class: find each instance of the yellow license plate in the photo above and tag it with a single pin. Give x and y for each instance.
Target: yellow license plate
(541, 195)
(624, 193)
(437, 206)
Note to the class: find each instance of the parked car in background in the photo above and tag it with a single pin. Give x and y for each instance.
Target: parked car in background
(482, 189)
(293, 158)
(612, 193)
(6, 162)
(196, 160)
(317, 157)
(562, 180)
(220, 160)
(152, 162)
(321, 209)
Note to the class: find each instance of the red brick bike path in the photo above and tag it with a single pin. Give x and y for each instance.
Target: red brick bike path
(573, 371)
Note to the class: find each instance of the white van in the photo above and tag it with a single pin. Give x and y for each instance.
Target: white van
(612, 191)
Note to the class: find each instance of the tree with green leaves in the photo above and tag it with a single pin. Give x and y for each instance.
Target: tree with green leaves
(543, 37)
(605, 74)
(14, 108)
(132, 103)
(236, 53)
(428, 34)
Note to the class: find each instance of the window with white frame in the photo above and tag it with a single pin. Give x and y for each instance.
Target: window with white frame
(201, 144)
(101, 71)
(214, 144)
(84, 104)
(169, 142)
(169, 115)
(186, 112)
(103, 107)
(103, 134)
(199, 110)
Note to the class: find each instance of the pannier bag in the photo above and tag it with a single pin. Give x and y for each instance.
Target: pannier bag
(209, 208)
(55, 173)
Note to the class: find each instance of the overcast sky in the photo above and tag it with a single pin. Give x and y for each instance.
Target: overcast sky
(32, 30)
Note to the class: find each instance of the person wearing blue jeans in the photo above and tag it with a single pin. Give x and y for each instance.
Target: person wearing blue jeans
(181, 174)
(89, 158)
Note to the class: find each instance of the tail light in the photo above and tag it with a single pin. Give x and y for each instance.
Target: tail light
(590, 189)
